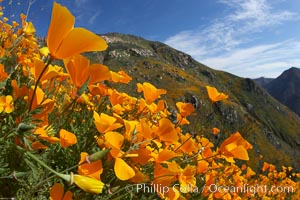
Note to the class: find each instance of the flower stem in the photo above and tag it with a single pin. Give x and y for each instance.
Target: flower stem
(37, 82)
(51, 177)
(65, 110)
(66, 177)
(183, 143)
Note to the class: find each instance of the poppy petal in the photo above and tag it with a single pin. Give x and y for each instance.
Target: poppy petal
(99, 73)
(151, 93)
(56, 191)
(202, 166)
(214, 95)
(167, 131)
(240, 153)
(165, 155)
(62, 22)
(68, 196)
(123, 170)
(67, 138)
(79, 40)
(114, 139)
(185, 109)
(78, 69)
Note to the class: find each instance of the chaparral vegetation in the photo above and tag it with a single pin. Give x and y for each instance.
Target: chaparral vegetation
(66, 133)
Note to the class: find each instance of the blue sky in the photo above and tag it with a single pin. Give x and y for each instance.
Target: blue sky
(249, 38)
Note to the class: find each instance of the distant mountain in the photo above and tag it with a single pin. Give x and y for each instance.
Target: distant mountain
(271, 127)
(286, 89)
(262, 81)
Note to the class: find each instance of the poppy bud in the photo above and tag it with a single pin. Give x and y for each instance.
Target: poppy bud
(88, 184)
(98, 155)
(24, 127)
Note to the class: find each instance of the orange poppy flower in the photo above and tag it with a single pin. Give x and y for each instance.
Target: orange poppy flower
(202, 166)
(29, 29)
(172, 194)
(144, 155)
(80, 70)
(18, 91)
(144, 129)
(215, 131)
(165, 155)
(243, 167)
(63, 40)
(214, 95)
(182, 120)
(122, 170)
(139, 177)
(41, 132)
(265, 166)
(114, 140)
(67, 138)
(116, 97)
(151, 93)
(39, 99)
(185, 109)
(92, 169)
(120, 77)
(130, 127)
(249, 172)
(15, 24)
(160, 173)
(37, 145)
(57, 193)
(98, 89)
(6, 104)
(98, 72)
(3, 74)
(166, 131)
(235, 146)
(155, 108)
(188, 144)
(105, 123)
(51, 71)
(187, 179)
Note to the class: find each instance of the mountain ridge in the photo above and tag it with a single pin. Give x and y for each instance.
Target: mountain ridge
(285, 88)
(268, 125)
(263, 81)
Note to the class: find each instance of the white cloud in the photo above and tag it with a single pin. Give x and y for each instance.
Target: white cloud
(86, 12)
(257, 14)
(259, 60)
(93, 18)
(221, 44)
(80, 3)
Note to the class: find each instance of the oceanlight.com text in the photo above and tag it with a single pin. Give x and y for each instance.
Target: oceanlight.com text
(250, 189)
(213, 188)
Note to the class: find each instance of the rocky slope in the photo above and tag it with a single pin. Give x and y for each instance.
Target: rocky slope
(273, 130)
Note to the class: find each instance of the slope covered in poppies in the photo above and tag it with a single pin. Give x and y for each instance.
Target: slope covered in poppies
(80, 129)
(268, 125)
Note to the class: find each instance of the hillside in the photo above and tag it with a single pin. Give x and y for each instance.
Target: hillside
(272, 129)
